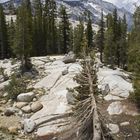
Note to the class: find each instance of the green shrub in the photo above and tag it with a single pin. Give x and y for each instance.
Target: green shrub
(92, 54)
(13, 61)
(5, 76)
(137, 91)
(16, 86)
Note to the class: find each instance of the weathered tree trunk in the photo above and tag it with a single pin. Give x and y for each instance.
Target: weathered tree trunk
(96, 121)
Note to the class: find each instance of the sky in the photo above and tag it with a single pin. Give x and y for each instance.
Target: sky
(2, 1)
(127, 4)
(122, 3)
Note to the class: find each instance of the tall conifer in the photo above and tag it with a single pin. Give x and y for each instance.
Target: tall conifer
(23, 37)
(64, 30)
(134, 54)
(38, 34)
(4, 48)
(89, 32)
(78, 37)
(50, 27)
(100, 40)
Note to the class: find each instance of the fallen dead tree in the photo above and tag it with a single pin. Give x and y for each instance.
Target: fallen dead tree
(88, 124)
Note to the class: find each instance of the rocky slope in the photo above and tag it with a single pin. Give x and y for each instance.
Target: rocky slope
(76, 8)
(45, 111)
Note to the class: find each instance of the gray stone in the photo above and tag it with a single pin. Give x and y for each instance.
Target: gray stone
(36, 106)
(9, 111)
(26, 109)
(5, 94)
(71, 100)
(115, 108)
(20, 104)
(105, 89)
(125, 123)
(69, 58)
(29, 75)
(20, 113)
(5, 61)
(25, 97)
(114, 128)
(29, 125)
(35, 99)
(65, 72)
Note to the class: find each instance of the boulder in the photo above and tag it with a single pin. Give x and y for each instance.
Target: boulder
(26, 109)
(29, 125)
(36, 106)
(115, 108)
(125, 123)
(20, 104)
(105, 89)
(35, 99)
(20, 113)
(69, 58)
(65, 72)
(5, 61)
(25, 97)
(5, 94)
(28, 75)
(71, 100)
(9, 111)
(114, 128)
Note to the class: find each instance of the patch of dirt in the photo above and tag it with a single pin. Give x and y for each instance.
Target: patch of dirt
(9, 121)
(130, 114)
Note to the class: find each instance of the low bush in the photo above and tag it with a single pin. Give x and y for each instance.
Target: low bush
(137, 91)
(16, 86)
(5, 76)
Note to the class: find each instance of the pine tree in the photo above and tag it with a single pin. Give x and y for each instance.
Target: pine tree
(4, 48)
(134, 50)
(100, 40)
(134, 54)
(115, 25)
(78, 38)
(89, 32)
(64, 30)
(30, 24)
(11, 36)
(23, 37)
(84, 46)
(71, 38)
(116, 40)
(110, 46)
(38, 34)
(50, 27)
(109, 21)
(123, 44)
